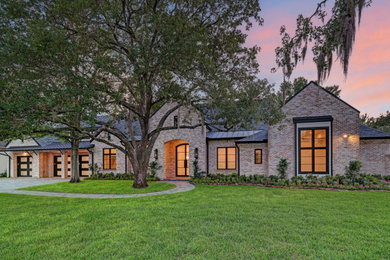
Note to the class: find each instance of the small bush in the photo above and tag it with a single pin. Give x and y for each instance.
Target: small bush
(282, 168)
(3, 174)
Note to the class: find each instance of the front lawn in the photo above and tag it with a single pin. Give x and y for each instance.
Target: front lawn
(101, 187)
(223, 222)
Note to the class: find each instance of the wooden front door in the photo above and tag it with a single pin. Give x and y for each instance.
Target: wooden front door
(182, 160)
(24, 168)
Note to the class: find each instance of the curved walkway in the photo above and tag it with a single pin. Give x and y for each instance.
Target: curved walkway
(181, 186)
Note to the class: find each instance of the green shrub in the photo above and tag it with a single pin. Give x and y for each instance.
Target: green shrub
(3, 174)
(282, 168)
(117, 176)
(352, 171)
(154, 167)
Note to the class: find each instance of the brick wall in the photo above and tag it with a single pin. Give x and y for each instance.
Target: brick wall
(98, 155)
(247, 159)
(196, 138)
(213, 145)
(375, 156)
(314, 101)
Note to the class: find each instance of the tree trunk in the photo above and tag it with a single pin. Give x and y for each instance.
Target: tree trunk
(75, 174)
(140, 179)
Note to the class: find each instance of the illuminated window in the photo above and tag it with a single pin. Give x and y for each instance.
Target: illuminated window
(313, 151)
(258, 156)
(226, 157)
(109, 159)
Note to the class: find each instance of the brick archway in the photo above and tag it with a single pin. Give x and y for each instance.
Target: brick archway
(170, 159)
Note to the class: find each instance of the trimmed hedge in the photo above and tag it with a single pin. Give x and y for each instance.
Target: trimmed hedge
(117, 176)
(362, 182)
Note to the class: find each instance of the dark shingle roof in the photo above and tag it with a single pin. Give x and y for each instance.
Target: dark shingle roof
(367, 132)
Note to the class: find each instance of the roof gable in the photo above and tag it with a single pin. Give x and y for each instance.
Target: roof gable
(27, 142)
(313, 84)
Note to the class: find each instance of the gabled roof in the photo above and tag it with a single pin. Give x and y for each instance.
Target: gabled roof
(312, 82)
(367, 132)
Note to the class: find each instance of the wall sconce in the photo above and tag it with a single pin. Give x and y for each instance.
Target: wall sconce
(155, 154)
(345, 136)
(196, 153)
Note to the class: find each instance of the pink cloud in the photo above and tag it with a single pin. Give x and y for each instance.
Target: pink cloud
(367, 86)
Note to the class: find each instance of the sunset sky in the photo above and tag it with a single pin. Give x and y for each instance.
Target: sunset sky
(367, 86)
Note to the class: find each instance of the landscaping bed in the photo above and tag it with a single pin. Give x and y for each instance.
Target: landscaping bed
(337, 182)
(101, 187)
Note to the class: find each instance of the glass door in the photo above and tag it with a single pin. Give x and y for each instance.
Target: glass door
(182, 160)
(24, 168)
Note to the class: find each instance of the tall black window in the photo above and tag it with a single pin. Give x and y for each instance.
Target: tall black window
(313, 151)
(175, 121)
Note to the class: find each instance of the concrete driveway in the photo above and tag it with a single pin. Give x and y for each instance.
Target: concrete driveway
(11, 184)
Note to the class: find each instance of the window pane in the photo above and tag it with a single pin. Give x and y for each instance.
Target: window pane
(306, 161)
(113, 151)
(320, 160)
(113, 162)
(320, 138)
(106, 151)
(231, 158)
(221, 158)
(258, 156)
(306, 138)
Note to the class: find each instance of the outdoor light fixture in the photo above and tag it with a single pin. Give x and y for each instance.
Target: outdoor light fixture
(196, 153)
(155, 154)
(345, 136)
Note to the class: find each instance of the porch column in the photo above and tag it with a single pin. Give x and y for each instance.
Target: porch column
(63, 166)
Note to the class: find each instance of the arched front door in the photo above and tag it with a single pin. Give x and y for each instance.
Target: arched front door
(182, 160)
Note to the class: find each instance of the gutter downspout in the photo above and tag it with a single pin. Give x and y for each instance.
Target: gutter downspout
(125, 163)
(207, 156)
(238, 159)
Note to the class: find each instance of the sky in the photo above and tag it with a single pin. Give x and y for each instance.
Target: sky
(367, 86)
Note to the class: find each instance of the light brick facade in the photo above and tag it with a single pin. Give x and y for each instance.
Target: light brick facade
(313, 102)
(375, 156)
(247, 158)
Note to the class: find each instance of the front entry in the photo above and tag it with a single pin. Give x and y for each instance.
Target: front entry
(182, 160)
(24, 168)
(57, 166)
(83, 165)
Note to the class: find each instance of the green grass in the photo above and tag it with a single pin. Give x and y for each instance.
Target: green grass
(210, 222)
(101, 187)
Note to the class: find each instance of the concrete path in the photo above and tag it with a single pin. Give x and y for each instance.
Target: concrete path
(11, 186)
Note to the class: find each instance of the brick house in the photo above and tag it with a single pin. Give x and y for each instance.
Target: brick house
(320, 135)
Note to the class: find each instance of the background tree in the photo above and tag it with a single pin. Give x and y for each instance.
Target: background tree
(382, 122)
(335, 37)
(46, 72)
(146, 53)
(288, 89)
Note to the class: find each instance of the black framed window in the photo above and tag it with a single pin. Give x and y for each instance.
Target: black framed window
(175, 120)
(226, 158)
(109, 159)
(313, 150)
(258, 156)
